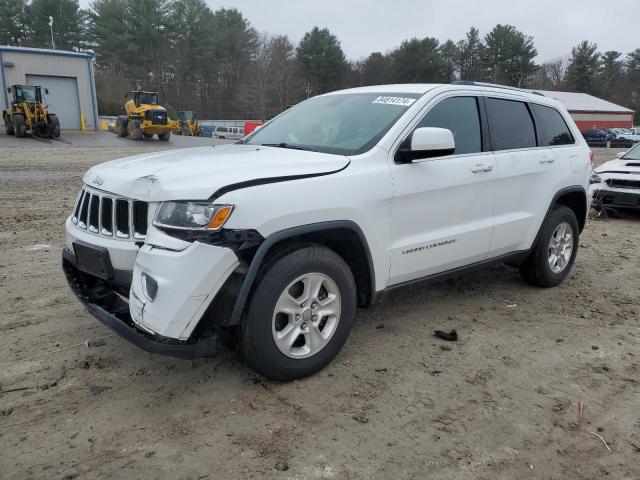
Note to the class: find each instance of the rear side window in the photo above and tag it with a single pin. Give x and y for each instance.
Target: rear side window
(552, 129)
(460, 115)
(510, 124)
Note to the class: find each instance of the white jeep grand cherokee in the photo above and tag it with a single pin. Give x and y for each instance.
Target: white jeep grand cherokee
(329, 206)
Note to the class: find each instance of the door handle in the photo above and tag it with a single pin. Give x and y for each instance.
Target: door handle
(547, 160)
(481, 167)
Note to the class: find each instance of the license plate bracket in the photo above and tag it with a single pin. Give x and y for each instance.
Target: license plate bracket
(93, 260)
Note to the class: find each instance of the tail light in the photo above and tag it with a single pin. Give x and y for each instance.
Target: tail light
(592, 158)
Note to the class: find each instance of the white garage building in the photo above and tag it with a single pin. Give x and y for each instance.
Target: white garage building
(67, 75)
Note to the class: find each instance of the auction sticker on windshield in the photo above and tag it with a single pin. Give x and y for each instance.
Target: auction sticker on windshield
(402, 101)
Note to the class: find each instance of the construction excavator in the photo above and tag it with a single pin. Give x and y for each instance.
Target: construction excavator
(143, 117)
(28, 114)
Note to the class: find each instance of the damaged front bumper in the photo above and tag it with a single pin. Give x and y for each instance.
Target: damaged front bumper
(604, 197)
(104, 300)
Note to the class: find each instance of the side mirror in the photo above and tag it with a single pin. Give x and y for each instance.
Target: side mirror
(427, 142)
(620, 154)
(46, 90)
(8, 89)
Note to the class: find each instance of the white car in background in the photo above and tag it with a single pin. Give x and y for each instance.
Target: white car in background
(630, 134)
(229, 133)
(616, 184)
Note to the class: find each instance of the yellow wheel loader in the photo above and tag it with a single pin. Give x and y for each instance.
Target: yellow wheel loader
(144, 118)
(28, 114)
(187, 124)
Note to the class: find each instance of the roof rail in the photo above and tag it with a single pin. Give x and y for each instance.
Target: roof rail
(494, 85)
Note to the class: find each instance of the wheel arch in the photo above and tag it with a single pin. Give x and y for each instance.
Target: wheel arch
(575, 198)
(344, 237)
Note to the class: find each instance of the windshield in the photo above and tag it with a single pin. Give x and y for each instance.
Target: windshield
(26, 94)
(186, 116)
(148, 98)
(633, 154)
(344, 124)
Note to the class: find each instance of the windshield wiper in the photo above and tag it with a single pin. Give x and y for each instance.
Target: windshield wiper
(292, 146)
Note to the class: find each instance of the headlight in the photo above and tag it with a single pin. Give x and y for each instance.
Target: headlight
(595, 178)
(192, 215)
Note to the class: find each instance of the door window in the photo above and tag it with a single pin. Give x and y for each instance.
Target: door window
(552, 129)
(461, 116)
(510, 124)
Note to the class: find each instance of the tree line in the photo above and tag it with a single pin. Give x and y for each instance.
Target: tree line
(216, 63)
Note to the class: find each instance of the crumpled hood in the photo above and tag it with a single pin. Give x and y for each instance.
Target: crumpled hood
(620, 165)
(197, 173)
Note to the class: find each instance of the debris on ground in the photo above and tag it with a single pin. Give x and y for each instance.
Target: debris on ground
(95, 343)
(39, 246)
(451, 336)
(97, 389)
(602, 440)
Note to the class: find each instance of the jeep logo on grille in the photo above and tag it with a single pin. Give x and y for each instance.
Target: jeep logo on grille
(98, 180)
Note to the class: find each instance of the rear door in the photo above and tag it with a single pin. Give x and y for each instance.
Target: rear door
(442, 207)
(526, 174)
(554, 132)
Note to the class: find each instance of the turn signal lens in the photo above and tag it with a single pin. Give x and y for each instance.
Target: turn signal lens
(221, 216)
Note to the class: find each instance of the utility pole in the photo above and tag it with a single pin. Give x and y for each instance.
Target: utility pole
(53, 45)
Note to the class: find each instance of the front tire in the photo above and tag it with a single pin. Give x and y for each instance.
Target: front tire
(121, 126)
(135, 131)
(300, 314)
(552, 257)
(54, 122)
(164, 137)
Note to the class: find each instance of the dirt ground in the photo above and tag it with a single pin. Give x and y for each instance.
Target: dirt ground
(501, 403)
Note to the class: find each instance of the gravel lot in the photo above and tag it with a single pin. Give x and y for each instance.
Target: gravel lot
(501, 403)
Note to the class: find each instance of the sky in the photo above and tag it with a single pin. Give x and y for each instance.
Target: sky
(365, 26)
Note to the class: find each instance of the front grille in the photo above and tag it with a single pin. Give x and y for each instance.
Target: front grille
(157, 117)
(620, 183)
(103, 214)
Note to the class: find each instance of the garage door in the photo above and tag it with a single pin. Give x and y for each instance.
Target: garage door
(62, 98)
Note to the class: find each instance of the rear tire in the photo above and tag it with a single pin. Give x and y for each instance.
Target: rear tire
(164, 137)
(19, 128)
(289, 334)
(147, 135)
(121, 126)
(8, 125)
(552, 257)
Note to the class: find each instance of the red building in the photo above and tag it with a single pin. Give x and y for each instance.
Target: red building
(591, 112)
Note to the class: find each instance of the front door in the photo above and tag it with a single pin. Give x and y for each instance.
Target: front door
(442, 210)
